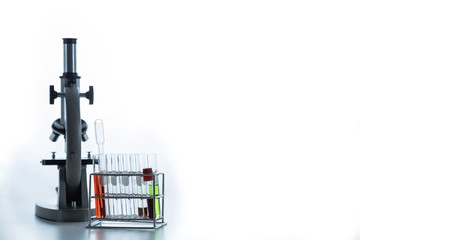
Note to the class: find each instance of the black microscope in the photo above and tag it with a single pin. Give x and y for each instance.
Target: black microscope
(73, 201)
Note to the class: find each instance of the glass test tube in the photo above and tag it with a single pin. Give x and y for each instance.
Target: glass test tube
(141, 191)
(135, 189)
(112, 182)
(120, 188)
(100, 186)
(115, 186)
(122, 184)
(151, 185)
(125, 166)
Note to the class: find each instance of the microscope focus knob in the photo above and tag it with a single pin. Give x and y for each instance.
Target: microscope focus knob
(90, 95)
(53, 94)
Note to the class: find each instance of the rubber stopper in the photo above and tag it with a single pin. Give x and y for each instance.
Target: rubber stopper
(148, 171)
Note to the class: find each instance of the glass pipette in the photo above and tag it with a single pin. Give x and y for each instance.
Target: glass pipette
(100, 139)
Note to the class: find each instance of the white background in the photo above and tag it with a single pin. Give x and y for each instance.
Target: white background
(272, 119)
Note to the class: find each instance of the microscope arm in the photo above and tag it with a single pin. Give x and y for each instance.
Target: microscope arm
(73, 138)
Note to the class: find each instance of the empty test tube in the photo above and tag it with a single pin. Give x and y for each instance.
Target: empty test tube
(126, 187)
(135, 188)
(114, 188)
(140, 161)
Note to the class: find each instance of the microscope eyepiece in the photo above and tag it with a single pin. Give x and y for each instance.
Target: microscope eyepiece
(70, 40)
(70, 58)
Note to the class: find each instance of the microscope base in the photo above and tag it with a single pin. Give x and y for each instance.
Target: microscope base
(62, 211)
(53, 213)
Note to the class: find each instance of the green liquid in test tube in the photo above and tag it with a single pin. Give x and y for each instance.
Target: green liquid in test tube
(157, 201)
(150, 202)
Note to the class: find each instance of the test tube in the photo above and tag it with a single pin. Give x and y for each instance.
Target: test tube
(121, 186)
(112, 183)
(151, 185)
(100, 186)
(115, 185)
(136, 190)
(125, 168)
(141, 191)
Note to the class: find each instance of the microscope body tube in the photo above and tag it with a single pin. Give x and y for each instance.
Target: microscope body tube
(70, 66)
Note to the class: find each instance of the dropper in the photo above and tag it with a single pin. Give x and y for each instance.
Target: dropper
(100, 139)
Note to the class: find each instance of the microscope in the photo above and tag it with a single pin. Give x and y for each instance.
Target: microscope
(73, 203)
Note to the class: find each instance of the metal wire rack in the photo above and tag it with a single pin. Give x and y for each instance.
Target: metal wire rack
(108, 217)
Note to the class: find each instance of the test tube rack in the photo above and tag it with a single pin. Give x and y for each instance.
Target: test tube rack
(129, 222)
